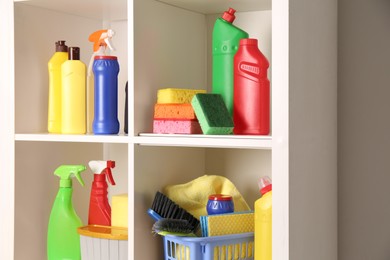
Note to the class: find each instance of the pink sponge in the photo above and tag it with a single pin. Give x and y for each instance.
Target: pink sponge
(176, 127)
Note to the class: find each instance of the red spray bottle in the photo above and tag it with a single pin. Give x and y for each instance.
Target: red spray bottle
(99, 208)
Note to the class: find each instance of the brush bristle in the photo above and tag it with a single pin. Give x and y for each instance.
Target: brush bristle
(172, 225)
(168, 209)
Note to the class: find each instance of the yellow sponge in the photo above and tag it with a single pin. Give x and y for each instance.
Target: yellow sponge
(177, 95)
(227, 224)
(119, 211)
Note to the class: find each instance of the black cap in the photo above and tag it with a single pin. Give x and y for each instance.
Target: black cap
(74, 53)
(61, 47)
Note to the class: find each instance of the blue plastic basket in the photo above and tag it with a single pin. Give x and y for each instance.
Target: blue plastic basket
(231, 247)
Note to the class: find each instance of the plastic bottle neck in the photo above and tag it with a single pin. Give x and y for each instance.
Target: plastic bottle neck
(99, 178)
(65, 196)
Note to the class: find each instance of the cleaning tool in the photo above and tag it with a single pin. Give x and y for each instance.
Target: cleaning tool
(251, 110)
(227, 224)
(55, 87)
(63, 241)
(178, 227)
(101, 40)
(176, 95)
(99, 208)
(225, 40)
(173, 113)
(172, 126)
(73, 94)
(193, 196)
(119, 210)
(177, 111)
(164, 207)
(214, 118)
(220, 204)
(263, 221)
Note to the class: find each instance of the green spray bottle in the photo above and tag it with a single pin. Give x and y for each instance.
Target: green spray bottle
(63, 241)
(225, 43)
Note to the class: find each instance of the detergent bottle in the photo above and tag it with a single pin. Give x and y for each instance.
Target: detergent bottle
(63, 241)
(103, 85)
(54, 105)
(263, 221)
(99, 208)
(251, 108)
(225, 40)
(73, 94)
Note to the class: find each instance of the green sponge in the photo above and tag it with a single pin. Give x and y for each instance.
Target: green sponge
(212, 114)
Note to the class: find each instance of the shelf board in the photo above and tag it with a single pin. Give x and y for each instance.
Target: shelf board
(45, 137)
(95, 9)
(219, 6)
(211, 141)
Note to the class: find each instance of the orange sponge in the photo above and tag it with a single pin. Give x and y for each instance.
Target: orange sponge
(174, 111)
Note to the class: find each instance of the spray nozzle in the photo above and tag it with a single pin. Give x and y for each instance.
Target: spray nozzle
(103, 167)
(101, 40)
(66, 172)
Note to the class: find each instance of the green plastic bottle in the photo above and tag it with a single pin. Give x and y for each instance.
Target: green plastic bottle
(225, 43)
(63, 241)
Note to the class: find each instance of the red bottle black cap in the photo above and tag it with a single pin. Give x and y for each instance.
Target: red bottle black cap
(229, 15)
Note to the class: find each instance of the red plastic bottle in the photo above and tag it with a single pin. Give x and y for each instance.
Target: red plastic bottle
(99, 208)
(251, 106)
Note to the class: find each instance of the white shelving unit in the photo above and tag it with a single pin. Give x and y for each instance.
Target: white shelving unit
(164, 44)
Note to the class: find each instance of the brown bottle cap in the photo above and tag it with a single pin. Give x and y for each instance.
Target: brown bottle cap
(74, 53)
(61, 47)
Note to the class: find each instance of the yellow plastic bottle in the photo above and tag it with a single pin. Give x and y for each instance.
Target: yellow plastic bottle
(263, 221)
(55, 87)
(73, 94)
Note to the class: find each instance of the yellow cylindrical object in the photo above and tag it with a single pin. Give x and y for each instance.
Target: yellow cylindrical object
(55, 89)
(263, 227)
(73, 97)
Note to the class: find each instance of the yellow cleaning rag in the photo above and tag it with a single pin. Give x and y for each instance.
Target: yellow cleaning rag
(193, 196)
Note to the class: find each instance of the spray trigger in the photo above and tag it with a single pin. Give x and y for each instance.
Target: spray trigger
(103, 167)
(110, 165)
(66, 172)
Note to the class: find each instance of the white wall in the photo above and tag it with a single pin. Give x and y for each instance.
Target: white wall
(363, 129)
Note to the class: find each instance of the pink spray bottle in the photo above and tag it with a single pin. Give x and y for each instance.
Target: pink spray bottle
(99, 208)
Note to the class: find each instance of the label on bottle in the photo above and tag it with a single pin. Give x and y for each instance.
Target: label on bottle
(250, 70)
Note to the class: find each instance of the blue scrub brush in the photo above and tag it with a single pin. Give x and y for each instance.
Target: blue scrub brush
(164, 208)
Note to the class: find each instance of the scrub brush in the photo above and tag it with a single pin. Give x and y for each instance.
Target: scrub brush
(164, 207)
(169, 226)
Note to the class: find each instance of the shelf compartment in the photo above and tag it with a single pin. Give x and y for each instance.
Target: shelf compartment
(210, 141)
(45, 137)
(219, 6)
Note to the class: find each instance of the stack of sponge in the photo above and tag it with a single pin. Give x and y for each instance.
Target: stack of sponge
(173, 112)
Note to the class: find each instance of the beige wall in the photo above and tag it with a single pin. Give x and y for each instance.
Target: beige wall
(363, 129)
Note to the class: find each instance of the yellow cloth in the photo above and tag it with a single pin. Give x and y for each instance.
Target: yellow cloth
(193, 196)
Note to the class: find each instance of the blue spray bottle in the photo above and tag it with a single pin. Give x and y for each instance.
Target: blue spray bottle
(105, 70)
